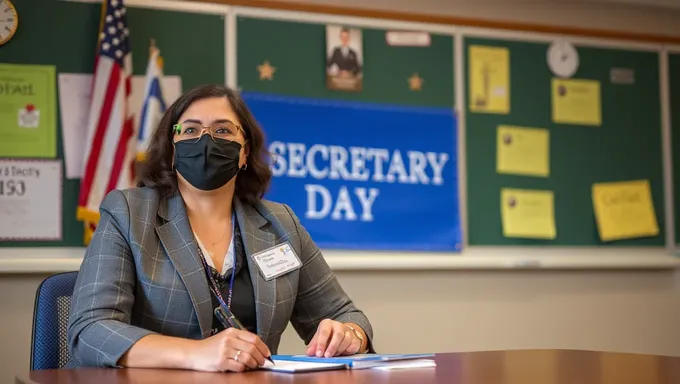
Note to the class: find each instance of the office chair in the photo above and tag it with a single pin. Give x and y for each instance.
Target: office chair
(49, 349)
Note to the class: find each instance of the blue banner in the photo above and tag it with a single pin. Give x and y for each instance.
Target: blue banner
(364, 176)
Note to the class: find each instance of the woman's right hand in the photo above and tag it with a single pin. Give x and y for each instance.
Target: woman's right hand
(220, 352)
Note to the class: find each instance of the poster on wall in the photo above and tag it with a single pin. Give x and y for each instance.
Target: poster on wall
(344, 58)
(30, 200)
(489, 79)
(28, 111)
(364, 176)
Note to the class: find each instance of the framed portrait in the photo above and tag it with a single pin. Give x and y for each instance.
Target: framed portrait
(344, 58)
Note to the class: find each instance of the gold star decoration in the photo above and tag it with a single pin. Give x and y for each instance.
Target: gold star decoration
(266, 71)
(415, 82)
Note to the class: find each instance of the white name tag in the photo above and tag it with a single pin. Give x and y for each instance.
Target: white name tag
(277, 261)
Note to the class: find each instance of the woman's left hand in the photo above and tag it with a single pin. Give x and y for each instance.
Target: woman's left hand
(333, 338)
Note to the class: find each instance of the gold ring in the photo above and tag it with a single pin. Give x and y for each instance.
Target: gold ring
(237, 355)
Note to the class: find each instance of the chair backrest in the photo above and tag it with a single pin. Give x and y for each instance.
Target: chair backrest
(49, 349)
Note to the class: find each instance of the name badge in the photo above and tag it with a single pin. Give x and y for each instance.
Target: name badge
(277, 261)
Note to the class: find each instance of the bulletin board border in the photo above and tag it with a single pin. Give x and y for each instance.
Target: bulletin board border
(478, 258)
(670, 49)
(667, 149)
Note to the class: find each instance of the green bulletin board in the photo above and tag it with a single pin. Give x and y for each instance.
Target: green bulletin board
(298, 52)
(627, 146)
(43, 38)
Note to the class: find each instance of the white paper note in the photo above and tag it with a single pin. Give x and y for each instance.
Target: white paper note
(407, 364)
(74, 104)
(300, 366)
(30, 200)
(74, 107)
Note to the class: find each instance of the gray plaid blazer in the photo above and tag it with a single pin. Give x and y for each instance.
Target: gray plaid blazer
(141, 274)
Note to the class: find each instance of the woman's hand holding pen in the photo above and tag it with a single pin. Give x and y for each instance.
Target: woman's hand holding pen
(230, 350)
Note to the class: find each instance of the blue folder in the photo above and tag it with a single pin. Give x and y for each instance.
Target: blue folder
(355, 361)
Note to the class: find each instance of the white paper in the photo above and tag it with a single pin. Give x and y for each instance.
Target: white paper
(299, 366)
(30, 200)
(74, 107)
(406, 364)
(408, 38)
(74, 104)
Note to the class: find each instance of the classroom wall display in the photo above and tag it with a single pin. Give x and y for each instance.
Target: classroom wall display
(601, 130)
(363, 176)
(374, 169)
(70, 47)
(289, 58)
(618, 141)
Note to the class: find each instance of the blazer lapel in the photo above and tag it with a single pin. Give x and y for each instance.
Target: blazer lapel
(178, 240)
(255, 239)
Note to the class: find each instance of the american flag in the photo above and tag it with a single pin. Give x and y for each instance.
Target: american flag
(110, 150)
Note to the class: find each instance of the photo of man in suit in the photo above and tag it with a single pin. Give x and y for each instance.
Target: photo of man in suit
(343, 62)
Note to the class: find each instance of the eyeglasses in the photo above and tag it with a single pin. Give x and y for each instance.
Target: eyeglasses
(192, 131)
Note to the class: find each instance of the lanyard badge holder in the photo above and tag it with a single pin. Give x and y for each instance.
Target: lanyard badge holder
(222, 311)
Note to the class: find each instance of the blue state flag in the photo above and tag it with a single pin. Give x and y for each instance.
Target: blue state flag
(153, 106)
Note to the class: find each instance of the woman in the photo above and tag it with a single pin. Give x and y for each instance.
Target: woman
(190, 240)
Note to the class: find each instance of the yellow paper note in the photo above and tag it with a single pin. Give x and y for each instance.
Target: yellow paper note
(528, 213)
(624, 210)
(489, 77)
(523, 151)
(576, 102)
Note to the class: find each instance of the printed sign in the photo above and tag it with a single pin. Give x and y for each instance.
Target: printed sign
(364, 176)
(30, 200)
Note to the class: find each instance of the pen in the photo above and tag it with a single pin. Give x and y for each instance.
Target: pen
(228, 319)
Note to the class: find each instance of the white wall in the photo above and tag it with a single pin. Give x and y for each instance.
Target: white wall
(632, 311)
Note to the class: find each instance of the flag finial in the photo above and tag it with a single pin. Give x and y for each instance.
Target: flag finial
(154, 49)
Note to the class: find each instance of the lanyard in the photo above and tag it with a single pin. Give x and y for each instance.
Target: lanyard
(213, 284)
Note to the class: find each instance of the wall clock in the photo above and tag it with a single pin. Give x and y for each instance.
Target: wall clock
(563, 58)
(9, 21)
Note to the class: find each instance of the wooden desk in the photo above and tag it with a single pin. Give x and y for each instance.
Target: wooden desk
(501, 367)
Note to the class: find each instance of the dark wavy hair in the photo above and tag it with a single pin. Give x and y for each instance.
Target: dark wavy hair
(157, 170)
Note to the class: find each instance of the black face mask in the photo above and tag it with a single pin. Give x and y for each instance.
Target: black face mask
(207, 164)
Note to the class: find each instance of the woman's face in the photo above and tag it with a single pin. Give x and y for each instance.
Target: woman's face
(215, 112)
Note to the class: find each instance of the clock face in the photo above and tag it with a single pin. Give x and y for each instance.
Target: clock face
(563, 59)
(9, 21)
